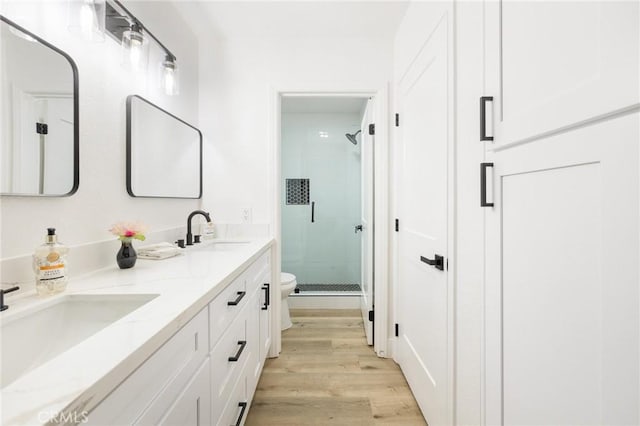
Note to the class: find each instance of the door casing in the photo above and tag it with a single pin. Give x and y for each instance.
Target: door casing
(381, 212)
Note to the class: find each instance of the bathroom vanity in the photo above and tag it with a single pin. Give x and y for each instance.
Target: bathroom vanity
(190, 351)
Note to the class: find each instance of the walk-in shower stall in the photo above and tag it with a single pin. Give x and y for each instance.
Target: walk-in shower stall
(322, 193)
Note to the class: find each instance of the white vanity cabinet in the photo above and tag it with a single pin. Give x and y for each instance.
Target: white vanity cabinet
(150, 393)
(243, 332)
(207, 372)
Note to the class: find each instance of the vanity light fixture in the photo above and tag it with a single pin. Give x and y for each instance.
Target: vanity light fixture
(122, 25)
(135, 47)
(169, 81)
(86, 19)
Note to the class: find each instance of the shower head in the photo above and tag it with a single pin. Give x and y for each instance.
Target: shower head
(352, 137)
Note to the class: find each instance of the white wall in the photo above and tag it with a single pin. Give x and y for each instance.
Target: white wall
(104, 85)
(238, 77)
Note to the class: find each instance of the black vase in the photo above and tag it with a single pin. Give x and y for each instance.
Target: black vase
(126, 256)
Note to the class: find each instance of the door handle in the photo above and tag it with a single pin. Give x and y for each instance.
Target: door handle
(483, 118)
(313, 211)
(358, 228)
(483, 184)
(437, 261)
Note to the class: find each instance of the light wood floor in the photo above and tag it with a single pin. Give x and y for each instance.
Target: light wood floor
(327, 375)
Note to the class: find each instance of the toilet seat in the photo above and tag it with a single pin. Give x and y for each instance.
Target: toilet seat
(287, 279)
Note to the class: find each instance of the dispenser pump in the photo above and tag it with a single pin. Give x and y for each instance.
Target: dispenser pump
(51, 236)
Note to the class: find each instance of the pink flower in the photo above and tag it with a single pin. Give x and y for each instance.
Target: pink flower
(127, 231)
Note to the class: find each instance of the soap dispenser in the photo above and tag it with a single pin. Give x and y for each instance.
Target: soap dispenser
(50, 265)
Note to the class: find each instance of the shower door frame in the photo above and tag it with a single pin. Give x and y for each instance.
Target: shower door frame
(380, 237)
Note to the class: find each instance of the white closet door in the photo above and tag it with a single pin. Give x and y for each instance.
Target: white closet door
(424, 314)
(561, 307)
(560, 64)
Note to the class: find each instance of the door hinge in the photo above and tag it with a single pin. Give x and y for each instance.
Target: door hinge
(397, 330)
(397, 120)
(372, 129)
(371, 316)
(397, 225)
(42, 128)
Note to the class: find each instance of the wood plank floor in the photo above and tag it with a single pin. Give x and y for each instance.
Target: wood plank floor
(327, 375)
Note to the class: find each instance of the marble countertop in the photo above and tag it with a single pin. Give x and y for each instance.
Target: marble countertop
(78, 379)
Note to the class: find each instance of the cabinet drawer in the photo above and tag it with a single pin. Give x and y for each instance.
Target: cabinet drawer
(228, 359)
(225, 307)
(237, 408)
(163, 375)
(192, 407)
(256, 273)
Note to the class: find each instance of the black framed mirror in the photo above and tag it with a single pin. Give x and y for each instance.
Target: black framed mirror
(40, 135)
(164, 153)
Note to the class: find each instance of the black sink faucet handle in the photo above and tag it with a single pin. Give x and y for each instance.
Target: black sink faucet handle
(4, 307)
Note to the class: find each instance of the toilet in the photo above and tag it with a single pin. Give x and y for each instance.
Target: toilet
(287, 285)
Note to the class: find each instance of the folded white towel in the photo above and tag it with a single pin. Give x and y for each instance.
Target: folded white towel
(158, 251)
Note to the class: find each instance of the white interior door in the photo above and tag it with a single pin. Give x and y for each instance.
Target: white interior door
(367, 183)
(561, 297)
(423, 347)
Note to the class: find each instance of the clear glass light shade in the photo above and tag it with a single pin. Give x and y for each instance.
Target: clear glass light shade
(86, 19)
(135, 49)
(169, 77)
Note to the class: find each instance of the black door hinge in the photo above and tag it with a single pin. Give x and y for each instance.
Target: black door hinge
(397, 120)
(42, 128)
(397, 225)
(371, 316)
(397, 330)
(372, 129)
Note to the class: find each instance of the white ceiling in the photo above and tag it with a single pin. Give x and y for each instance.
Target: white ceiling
(323, 104)
(301, 18)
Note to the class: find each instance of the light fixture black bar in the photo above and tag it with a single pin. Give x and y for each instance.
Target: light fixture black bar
(137, 21)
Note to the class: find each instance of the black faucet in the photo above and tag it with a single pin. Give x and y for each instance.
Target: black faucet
(189, 235)
(4, 307)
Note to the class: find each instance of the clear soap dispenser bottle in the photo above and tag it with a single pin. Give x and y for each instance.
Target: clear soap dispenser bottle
(50, 265)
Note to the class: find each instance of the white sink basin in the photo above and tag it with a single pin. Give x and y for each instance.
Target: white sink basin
(226, 245)
(34, 336)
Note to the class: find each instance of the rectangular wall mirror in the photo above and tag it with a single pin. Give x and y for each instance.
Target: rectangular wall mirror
(164, 153)
(39, 135)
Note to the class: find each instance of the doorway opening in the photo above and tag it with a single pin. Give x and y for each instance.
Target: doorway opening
(327, 186)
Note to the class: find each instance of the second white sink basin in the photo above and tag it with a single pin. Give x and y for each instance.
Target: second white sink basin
(34, 336)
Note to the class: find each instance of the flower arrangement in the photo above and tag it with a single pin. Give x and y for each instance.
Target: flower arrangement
(127, 231)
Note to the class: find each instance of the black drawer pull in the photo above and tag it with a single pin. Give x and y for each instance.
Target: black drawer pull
(437, 262)
(267, 300)
(483, 118)
(238, 299)
(242, 405)
(236, 357)
(313, 211)
(483, 184)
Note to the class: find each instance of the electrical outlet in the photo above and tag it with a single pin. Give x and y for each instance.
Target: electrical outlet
(245, 215)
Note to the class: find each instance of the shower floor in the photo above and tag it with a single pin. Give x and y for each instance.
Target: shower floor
(324, 288)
